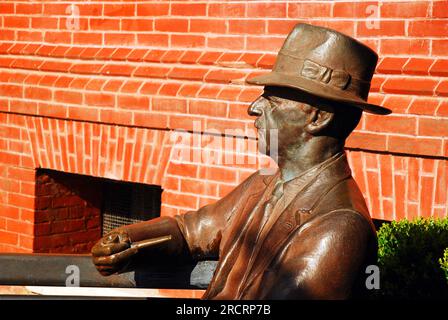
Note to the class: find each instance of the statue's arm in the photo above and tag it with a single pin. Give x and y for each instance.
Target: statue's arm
(194, 235)
(324, 260)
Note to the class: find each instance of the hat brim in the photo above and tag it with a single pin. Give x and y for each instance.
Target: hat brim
(316, 89)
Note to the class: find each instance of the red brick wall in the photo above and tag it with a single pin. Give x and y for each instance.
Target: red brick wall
(67, 212)
(100, 94)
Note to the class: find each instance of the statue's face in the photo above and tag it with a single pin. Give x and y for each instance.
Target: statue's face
(278, 117)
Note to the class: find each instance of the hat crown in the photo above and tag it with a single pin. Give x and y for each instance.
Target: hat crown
(325, 63)
(311, 49)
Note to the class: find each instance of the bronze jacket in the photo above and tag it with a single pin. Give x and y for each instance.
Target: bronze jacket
(318, 248)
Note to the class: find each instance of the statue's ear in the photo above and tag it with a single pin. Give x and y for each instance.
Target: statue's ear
(318, 121)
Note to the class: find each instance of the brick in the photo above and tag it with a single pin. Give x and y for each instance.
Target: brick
(123, 39)
(118, 10)
(131, 86)
(169, 105)
(218, 174)
(224, 125)
(352, 9)
(152, 9)
(87, 38)
(198, 187)
(309, 10)
(442, 110)
(11, 90)
(137, 24)
(100, 24)
(439, 47)
(44, 23)
(150, 88)
(442, 89)
(152, 72)
(229, 93)
(38, 93)
(188, 9)
(169, 89)
(154, 40)
(224, 76)
(99, 99)
(181, 200)
(247, 26)
(391, 65)
(189, 90)
(418, 66)
(10, 212)
(86, 68)
(420, 86)
(280, 26)
(440, 9)
(386, 28)
(8, 237)
(227, 10)
(118, 70)
(208, 25)
(133, 102)
(21, 201)
(19, 227)
(424, 106)
(55, 66)
(226, 42)
(183, 169)
(187, 73)
(439, 68)
(137, 55)
(264, 10)
(173, 25)
(405, 9)
(210, 57)
(397, 103)
(6, 8)
(16, 22)
(264, 43)
(415, 146)
(209, 91)
(428, 28)
(367, 141)
(83, 113)
(58, 37)
(187, 41)
(208, 108)
(392, 124)
(68, 97)
(150, 120)
(433, 127)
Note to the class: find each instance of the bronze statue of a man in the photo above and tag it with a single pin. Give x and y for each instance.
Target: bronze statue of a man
(304, 232)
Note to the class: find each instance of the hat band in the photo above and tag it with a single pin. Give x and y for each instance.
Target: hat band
(312, 70)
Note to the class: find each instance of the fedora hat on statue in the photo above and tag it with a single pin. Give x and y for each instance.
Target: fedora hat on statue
(327, 64)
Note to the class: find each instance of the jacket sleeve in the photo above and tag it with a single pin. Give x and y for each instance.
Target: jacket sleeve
(202, 229)
(324, 260)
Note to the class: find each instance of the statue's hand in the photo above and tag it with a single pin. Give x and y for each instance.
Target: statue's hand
(113, 252)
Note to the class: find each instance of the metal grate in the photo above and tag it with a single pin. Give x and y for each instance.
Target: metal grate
(127, 203)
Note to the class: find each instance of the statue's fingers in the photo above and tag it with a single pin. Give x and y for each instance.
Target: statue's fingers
(108, 249)
(114, 259)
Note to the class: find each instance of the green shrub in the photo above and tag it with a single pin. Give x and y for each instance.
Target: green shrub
(408, 258)
(444, 263)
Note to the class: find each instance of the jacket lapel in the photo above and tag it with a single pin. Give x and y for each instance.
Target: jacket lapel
(237, 230)
(296, 214)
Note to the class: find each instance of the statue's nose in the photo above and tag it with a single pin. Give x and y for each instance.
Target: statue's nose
(256, 107)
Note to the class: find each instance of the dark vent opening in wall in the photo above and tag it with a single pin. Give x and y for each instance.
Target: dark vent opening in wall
(127, 203)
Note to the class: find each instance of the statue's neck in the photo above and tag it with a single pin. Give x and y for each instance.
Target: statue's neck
(293, 162)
